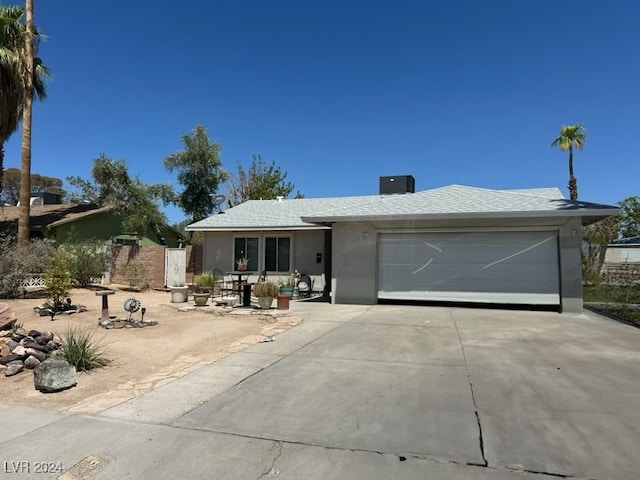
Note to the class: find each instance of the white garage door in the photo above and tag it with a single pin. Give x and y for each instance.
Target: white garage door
(492, 267)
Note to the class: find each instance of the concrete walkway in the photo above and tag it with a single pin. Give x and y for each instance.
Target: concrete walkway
(376, 392)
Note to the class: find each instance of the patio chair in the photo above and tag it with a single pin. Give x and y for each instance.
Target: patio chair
(223, 284)
(263, 276)
(305, 285)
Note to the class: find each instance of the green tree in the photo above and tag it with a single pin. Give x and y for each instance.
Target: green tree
(13, 35)
(571, 136)
(596, 237)
(39, 183)
(134, 200)
(199, 171)
(629, 217)
(262, 181)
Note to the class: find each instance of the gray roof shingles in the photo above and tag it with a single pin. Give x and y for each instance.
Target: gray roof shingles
(452, 200)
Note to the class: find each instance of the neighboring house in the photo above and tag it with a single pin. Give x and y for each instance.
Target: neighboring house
(451, 244)
(78, 222)
(622, 261)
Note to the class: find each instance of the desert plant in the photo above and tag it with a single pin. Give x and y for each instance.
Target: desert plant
(81, 350)
(87, 261)
(266, 289)
(136, 275)
(204, 280)
(242, 263)
(57, 280)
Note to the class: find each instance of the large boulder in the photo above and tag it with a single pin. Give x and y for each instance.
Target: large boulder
(7, 317)
(54, 376)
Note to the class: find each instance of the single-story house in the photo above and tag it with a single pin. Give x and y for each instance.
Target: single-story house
(448, 244)
(78, 222)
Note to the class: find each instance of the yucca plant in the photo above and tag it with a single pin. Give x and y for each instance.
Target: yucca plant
(81, 350)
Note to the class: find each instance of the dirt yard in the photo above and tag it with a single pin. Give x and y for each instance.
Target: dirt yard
(141, 358)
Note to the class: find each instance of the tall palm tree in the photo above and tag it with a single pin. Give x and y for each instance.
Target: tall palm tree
(13, 67)
(571, 136)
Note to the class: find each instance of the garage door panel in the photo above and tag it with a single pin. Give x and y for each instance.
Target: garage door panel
(514, 267)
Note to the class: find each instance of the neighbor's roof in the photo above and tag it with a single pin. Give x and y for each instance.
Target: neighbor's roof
(51, 215)
(453, 201)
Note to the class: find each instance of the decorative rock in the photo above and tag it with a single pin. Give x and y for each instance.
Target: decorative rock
(12, 344)
(54, 376)
(36, 345)
(42, 340)
(31, 362)
(20, 351)
(37, 354)
(51, 346)
(13, 368)
(8, 359)
(5, 350)
(18, 337)
(48, 336)
(6, 333)
(7, 317)
(34, 333)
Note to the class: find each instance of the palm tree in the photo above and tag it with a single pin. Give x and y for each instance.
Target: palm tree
(571, 136)
(15, 44)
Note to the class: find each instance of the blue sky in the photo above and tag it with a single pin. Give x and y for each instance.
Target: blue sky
(340, 93)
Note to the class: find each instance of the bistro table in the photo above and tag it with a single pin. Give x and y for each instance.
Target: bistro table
(246, 300)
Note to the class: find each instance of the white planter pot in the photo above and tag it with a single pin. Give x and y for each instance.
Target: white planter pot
(265, 302)
(179, 294)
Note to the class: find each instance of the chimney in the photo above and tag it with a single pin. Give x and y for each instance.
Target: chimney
(397, 184)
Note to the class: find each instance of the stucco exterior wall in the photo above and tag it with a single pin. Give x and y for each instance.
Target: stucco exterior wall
(306, 245)
(570, 243)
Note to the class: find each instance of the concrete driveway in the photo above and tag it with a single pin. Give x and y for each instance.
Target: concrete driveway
(381, 392)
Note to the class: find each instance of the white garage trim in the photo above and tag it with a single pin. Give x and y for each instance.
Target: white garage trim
(489, 267)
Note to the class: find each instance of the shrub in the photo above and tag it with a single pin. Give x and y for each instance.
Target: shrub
(17, 263)
(58, 278)
(136, 275)
(266, 289)
(87, 261)
(205, 280)
(81, 351)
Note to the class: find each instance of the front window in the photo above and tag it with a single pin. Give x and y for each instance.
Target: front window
(246, 247)
(277, 253)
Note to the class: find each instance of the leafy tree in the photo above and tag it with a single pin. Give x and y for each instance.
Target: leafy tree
(629, 217)
(262, 181)
(39, 183)
(596, 237)
(195, 238)
(13, 66)
(135, 201)
(199, 172)
(571, 136)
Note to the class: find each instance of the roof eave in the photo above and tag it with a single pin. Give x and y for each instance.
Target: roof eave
(595, 214)
(256, 228)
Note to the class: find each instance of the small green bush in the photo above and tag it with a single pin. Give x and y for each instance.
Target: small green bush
(205, 280)
(58, 279)
(87, 261)
(81, 351)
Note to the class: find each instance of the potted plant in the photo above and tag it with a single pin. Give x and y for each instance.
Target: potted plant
(242, 264)
(266, 292)
(286, 287)
(179, 292)
(204, 285)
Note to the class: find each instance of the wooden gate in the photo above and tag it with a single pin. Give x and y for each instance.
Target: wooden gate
(175, 266)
